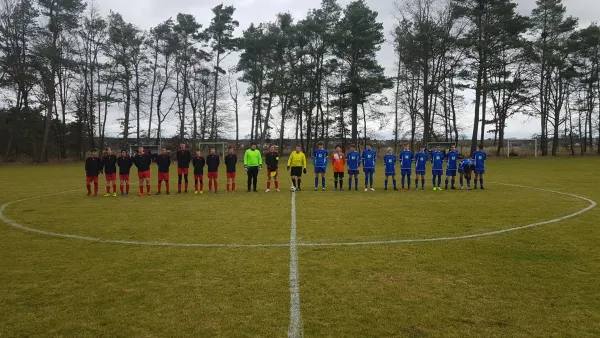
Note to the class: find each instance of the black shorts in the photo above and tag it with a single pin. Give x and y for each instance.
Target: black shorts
(338, 175)
(296, 171)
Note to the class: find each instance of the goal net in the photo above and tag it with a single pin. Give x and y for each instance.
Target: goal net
(220, 147)
(152, 148)
(520, 148)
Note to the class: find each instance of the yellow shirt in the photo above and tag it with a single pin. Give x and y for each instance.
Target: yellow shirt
(297, 160)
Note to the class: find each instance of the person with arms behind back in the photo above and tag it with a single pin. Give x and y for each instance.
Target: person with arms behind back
(437, 160)
(389, 160)
(479, 157)
(252, 164)
(297, 166)
(339, 165)
(163, 161)
(93, 168)
(109, 163)
(353, 163)
(420, 168)
(272, 162)
(212, 165)
(369, 157)
(198, 161)
(451, 166)
(406, 159)
(230, 167)
(142, 161)
(319, 160)
(125, 162)
(183, 166)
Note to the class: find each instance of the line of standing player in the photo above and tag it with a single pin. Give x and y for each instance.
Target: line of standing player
(296, 165)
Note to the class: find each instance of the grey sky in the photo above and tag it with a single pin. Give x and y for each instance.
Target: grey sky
(147, 13)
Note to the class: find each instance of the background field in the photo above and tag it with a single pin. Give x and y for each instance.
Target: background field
(540, 281)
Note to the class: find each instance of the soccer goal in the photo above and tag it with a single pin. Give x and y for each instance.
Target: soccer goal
(152, 148)
(521, 148)
(220, 147)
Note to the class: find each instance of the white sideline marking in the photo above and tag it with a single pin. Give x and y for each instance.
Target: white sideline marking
(295, 330)
(209, 245)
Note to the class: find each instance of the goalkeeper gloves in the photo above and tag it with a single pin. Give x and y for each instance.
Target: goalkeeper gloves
(304, 171)
(288, 168)
(246, 167)
(260, 167)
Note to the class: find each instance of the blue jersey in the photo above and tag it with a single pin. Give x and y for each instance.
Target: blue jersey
(353, 160)
(452, 158)
(368, 158)
(390, 163)
(319, 158)
(421, 160)
(406, 158)
(466, 165)
(479, 157)
(437, 158)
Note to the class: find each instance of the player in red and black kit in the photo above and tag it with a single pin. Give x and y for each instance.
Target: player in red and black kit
(230, 163)
(125, 162)
(272, 161)
(198, 161)
(163, 160)
(93, 168)
(109, 162)
(212, 164)
(142, 161)
(183, 165)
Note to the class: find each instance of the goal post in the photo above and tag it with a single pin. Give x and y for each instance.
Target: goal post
(521, 148)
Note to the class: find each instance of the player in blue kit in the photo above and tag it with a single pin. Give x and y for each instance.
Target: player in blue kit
(451, 166)
(319, 160)
(368, 158)
(420, 167)
(479, 157)
(465, 168)
(390, 168)
(437, 159)
(406, 159)
(353, 163)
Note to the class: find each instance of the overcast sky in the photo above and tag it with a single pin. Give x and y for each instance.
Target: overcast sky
(148, 13)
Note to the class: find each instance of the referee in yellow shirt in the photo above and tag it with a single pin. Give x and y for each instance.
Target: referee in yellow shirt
(297, 164)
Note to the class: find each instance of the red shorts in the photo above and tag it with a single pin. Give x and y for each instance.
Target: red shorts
(110, 177)
(184, 171)
(124, 177)
(144, 174)
(230, 175)
(214, 175)
(163, 176)
(269, 173)
(198, 177)
(90, 179)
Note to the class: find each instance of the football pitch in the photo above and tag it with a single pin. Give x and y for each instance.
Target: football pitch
(519, 259)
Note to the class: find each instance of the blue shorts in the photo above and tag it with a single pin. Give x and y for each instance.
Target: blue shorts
(390, 173)
(479, 171)
(352, 172)
(451, 172)
(437, 172)
(320, 170)
(406, 171)
(420, 172)
(369, 170)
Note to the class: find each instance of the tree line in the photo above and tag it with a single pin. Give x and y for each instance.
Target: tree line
(64, 67)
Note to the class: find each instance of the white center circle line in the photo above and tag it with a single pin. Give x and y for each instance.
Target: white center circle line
(15, 224)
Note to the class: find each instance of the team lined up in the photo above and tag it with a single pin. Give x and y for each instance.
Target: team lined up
(253, 162)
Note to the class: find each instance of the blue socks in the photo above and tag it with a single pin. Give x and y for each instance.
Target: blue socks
(316, 182)
(323, 182)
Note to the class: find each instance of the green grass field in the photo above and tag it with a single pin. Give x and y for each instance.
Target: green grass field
(540, 281)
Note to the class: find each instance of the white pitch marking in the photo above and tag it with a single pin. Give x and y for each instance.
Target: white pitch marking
(295, 330)
(399, 241)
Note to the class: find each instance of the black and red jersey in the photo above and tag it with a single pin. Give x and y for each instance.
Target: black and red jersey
(125, 163)
(198, 162)
(164, 162)
(212, 163)
(93, 166)
(109, 163)
(183, 158)
(272, 161)
(230, 162)
(142, 162)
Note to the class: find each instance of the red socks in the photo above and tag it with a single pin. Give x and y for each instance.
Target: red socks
(95, 189)
(167, 186)
(186, 186)
(141, 189)
(148, 188)
(233, 186)
(121, 188)
(108, 189)
(159, 186)
(268, 184)
(114, 188)
(196, 186)
(89, 188)
(209, 185)
(127, 187)
(276, 184)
